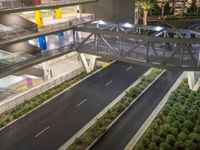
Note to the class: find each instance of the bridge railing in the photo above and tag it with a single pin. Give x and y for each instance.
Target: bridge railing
(8, 68)
(167, 53)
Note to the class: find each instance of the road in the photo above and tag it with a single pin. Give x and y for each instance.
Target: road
(127, 126)
(50, 126)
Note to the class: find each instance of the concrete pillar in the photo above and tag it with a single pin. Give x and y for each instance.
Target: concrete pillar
(46, 70)
(40, 23)
(92, 62)
(58, 15)
(39, 19)
(191, 79)
(43, 44)
(89, 66)
(78, 11)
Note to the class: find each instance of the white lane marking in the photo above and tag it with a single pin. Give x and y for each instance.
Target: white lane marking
(129, 68)
(109, 83)
(81, 103)
(42, 132)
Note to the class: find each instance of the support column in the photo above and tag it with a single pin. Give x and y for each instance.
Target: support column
(78, 11)
(43, 44)
(191, 79)
(46, 70)
(89, 66)
(92, 62)
(39, 19)
(58, 15)
(40, 23)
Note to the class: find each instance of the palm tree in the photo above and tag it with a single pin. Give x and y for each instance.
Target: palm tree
(161, 4)
(183, 8)
(145, 6)
(172, 6)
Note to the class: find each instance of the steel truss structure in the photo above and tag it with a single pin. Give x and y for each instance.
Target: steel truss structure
(153, 46)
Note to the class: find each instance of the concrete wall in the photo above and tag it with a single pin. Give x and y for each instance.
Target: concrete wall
(112, 10)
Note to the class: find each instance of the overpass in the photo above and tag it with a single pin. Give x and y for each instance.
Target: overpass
(152, 46)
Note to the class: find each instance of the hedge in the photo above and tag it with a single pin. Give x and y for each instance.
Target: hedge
(102, 124)
(177, 126)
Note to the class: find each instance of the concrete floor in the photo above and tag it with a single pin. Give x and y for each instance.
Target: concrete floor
(65, 65)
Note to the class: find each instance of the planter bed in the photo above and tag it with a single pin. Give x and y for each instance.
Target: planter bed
(28, 106)
(102, 124)
(177, 126)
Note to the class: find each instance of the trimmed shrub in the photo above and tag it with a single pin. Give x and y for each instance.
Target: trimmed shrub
(179, 144)
(145, 142)
(171, 139)
(139, 146)
(197, 129)
(155, 139)
(195, 137)
(188, 124)
(152, 146)
(165, 146)
(190, 145)
(87, 139)
(173, 131)
(150, 132)
(182, 136)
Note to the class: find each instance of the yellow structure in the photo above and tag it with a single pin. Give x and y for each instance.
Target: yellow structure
(58, 13)
(78, 11)
(39, 19)
(105, 65)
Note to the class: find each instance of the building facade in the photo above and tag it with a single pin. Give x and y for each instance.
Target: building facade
(112, 10)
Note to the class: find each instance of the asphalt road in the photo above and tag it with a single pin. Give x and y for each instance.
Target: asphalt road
(50, 126)
(127, 126)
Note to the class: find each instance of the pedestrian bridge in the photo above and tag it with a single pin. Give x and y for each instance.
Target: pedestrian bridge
(152, 46)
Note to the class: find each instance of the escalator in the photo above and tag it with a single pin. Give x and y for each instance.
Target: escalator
(23, 47)
(21, 22)
(5, 4)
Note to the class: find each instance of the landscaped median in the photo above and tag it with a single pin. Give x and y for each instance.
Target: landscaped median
(177, 126)
(28, 106)
(96, 130)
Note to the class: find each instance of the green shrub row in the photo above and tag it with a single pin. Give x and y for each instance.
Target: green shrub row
(102, 124)
(177, 126)
(27, 106)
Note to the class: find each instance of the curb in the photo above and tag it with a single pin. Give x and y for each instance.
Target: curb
(110, 126)
(54, 97)
(82, 130)
(153, 115)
